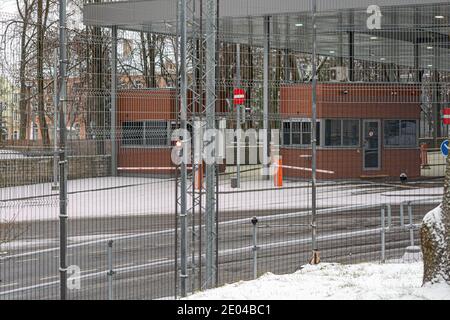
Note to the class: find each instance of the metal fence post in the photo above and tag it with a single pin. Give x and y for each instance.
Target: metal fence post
(315, 259)
(210, 111)
(411, 226)
(63, 216)
(255, 248)
(402, 219)
(389, 215)
(182, 17)
(110, 269)
(55, 185)
(238, 117)
(383, 236)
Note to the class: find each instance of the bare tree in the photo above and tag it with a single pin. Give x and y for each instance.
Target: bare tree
(10, 228)
(148, 58)
(25, 9)
(42, 16)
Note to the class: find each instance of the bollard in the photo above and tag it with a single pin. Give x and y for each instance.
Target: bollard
(110, 270)
(389, 216)
(278, 174)
(383, 236)
(424, 155)
(255, 248)
(411, 226)
(199, 179)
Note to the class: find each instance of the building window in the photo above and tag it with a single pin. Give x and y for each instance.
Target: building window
(400, 133)
(156, 133)
(151, 133)
(341, 133)
(133, 133)
(298, 132)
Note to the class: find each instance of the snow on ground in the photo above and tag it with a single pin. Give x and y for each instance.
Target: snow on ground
(121, 196)
(368, 281)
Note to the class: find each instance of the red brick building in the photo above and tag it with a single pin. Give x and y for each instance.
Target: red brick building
(363, 130)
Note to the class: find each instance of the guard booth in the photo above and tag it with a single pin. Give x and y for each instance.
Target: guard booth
(146, 119)
(364, 130)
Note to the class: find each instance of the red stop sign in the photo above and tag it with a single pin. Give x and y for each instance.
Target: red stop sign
(239, 96)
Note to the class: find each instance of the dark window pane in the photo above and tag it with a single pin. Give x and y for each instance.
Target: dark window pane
(392, 132)
(306, 138)
(156, 133)
(332, 132)
(286, 133)
(318, 133)
(408, 135)
(350, 134)
(296, 127)
(132, 133)
(296, 138)
(286, 138)
(306, 127)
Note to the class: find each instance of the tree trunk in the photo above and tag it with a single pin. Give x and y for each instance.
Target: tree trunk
(151, 39)
(435, 238)
(145, 60)
(43, 128)
(24, 45)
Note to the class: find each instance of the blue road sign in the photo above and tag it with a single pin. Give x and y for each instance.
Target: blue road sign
(444, 148)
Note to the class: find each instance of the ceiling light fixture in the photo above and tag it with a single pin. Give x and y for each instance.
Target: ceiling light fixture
(299, 24)
(439, 17)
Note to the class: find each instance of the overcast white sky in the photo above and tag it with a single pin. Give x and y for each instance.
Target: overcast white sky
(8, 6)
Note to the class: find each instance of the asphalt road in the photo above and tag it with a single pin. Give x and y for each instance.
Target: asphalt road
(144, 258)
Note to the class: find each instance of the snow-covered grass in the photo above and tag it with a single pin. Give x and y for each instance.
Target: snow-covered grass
(367, 281)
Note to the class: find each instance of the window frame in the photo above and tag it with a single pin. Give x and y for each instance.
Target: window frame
(400, 146)
(301, 133)
(144, 144)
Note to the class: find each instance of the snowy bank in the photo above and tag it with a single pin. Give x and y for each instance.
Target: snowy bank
(368, 281)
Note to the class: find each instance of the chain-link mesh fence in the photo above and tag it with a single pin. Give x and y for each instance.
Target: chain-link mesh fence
(154, 93)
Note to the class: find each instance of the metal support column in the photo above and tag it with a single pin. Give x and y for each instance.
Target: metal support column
(238, 117)
(210, 79)
(183, 168)
(351, 49)
(315, 252)
(62, 151)
(437, 132)
(55, 185)
(113, 101)
(265, 158)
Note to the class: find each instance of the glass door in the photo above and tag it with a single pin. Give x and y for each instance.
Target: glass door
(371, 144)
